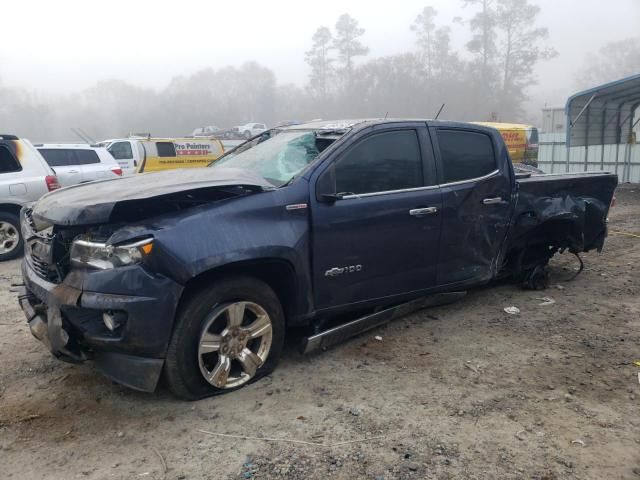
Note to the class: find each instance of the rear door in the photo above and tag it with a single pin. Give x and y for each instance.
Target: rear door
(12, 175)
(90, 165)
(476, 184)
(64, 163)
(381, 238)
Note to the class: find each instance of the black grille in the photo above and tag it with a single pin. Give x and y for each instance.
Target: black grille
(38, 244)
(41, 268)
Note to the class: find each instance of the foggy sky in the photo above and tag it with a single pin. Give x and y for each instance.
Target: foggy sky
(62, 46)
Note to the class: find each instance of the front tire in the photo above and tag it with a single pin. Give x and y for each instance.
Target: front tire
(226, 336)
(11, 242)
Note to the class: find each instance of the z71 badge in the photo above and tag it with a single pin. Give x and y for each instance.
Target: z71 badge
(335, 271)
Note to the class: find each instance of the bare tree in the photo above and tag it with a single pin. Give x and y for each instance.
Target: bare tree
(348, 45)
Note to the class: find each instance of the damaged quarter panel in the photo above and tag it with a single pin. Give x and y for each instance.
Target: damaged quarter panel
(580, 202)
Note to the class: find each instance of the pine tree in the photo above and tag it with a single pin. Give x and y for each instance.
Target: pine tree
(320, 61)
(348, 45)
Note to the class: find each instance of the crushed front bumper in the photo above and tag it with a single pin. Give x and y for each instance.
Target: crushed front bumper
(68, 319)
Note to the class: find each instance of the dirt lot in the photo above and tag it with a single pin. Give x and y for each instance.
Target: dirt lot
(462, 391)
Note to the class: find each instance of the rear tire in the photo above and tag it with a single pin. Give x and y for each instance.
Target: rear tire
(11, 241)
(227, 335)
(247, 134)
(536, 279)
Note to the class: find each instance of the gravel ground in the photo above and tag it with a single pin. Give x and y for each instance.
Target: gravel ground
(460, 391)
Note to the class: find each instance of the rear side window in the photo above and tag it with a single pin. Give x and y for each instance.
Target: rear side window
(533, 136)
(121, 151)
(86, 157)
(8, 163)
(380, 163)
(58, 157)
(465, 155)
(166, 149)
(62, 157)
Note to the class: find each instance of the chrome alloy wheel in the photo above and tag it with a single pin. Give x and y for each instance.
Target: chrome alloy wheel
(234, 343)
(9, 237)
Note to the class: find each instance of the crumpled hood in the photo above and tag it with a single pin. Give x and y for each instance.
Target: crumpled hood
(93, 203)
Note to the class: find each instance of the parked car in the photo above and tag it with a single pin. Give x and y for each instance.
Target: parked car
(24, 178)
(230, 134)
(249, 130)
(208, 131)
(79, 163)
(198, 273)
(146, 154)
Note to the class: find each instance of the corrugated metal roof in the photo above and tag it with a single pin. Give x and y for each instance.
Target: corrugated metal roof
(604, 114)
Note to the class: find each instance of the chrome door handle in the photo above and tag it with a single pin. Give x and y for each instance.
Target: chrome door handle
(420, 212)
(493, 201)
(74, 171)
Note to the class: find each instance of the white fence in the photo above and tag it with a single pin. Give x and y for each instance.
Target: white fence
(623, 159)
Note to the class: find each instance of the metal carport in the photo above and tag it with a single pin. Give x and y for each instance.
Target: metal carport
(604, 116)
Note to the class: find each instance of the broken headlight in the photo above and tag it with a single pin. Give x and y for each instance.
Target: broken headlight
(88, 253)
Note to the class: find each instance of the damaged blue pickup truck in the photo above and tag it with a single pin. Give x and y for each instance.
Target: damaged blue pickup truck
(197, 275)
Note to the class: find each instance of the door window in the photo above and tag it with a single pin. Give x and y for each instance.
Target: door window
(465, 155)
(379, 163)
(121, 151)
(86, 157)
(8, 162)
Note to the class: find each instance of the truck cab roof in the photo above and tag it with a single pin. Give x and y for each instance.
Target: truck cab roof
(357, 124)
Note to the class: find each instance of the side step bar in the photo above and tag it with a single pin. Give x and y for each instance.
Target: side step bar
(324, 340)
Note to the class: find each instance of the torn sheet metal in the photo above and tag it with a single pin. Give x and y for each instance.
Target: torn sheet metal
(580, 200)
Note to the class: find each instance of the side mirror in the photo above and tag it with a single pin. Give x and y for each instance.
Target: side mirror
(326, 186)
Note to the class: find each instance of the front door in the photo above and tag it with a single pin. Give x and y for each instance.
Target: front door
(380, 237)
(123, 153)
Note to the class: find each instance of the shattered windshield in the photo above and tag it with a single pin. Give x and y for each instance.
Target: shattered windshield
(277, 155)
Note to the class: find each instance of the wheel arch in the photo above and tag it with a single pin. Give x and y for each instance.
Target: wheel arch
(537, 244)
(11, 208)
(278, 273)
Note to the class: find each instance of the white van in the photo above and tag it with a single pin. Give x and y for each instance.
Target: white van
(79, 163)
(146, 154)
(128, 152)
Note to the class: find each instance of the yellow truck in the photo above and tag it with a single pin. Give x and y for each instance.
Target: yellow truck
(521, 140)
(146, 154)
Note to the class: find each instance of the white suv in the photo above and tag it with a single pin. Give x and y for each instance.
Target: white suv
(248, 130)
(24, 178)
(79, 163)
